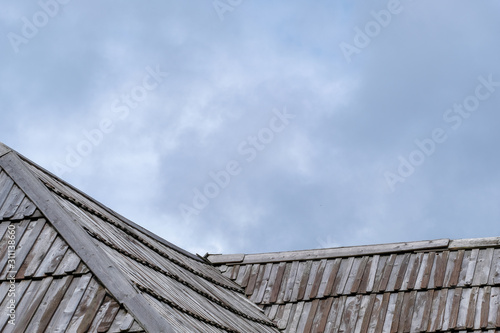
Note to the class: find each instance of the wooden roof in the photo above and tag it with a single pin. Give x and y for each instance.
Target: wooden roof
(430, 286)
(80, 267)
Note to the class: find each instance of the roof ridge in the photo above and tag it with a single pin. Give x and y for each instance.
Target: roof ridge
(380, 292)
(4, 149)
(354, 251)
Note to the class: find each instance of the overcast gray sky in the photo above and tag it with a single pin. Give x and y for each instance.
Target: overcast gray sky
(255, 126)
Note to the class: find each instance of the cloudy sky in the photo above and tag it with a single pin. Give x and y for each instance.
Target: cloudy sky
(254, 126)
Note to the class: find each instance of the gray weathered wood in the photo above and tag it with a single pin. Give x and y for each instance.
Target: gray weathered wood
(485, 307)
(26, 208)
(322, 315)
(242, 272)
(49, 304)
(127, 323)
(317, 280)
(396, 272)
(252, 280)
(355, 275)
(326, 276)
(68, 263)
(483, 267)
(439, 270)
(474, 243)
(342, 276)
(290, 283)
(36, 168)
(329, 287)
(6, 184)
(455, 275)
(4, 226)
(452, 258)
(494, 308)
(117, 322)
(340, 252)
(367, 308)
(304, 279)
(471, 308)
(38, 251)
(397, 320)
(24, 245)
(310, 281)
(471, 268)
(263, 284)
(283, 321)
(335, 315)
(105, 316)
(350, 314)
(386, 275)
(80, 241)
(136, 328)
(424, 283)
(4, 149)
(463, 308)
(20, 228)
(494, 275)
(67, 307)
(284, 282)
(294, 321)
(86, 310)
(226, 258)
(278, 282)
(271, 281)
(12, 202)
(380, 313)
(311, 318)
(303, 317)
(20, 291)
(29, 305)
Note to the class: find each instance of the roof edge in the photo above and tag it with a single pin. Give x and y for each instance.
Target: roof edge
(339, 252)
(112, 212)
(4, 149)
(353, 251)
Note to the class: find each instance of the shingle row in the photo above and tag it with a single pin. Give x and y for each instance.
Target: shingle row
(284, 282)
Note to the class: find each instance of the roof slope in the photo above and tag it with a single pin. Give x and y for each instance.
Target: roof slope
(430, 286)
(70, 246)
(55, 291)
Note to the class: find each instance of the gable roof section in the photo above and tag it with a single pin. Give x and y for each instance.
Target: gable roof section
(155, 286)
(430, 286)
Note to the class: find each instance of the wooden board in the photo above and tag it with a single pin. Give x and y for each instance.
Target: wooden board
(341, 252)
